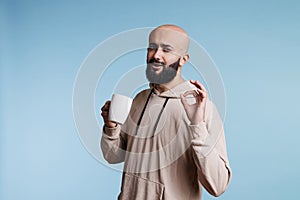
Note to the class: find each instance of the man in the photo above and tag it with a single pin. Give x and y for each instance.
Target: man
(172, 143)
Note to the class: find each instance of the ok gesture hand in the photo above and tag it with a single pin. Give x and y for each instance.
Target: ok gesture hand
(196, 111)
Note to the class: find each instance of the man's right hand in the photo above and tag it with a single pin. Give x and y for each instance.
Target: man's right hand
(104, 114)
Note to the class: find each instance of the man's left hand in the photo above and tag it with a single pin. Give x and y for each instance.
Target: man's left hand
(196, 111)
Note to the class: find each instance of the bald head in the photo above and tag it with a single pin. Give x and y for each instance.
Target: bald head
(173, 35)
(172, 27)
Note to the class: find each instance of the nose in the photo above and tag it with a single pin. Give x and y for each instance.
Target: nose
(158, 54)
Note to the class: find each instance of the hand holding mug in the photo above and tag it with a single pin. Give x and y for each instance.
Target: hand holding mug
(105, 113)
(116, 111)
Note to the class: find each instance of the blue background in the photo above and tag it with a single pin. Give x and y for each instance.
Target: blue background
(255, 45)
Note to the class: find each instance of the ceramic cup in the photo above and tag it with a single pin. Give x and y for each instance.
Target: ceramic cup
(119, 108)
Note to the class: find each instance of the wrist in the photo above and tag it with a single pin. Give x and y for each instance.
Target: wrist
(111, 125)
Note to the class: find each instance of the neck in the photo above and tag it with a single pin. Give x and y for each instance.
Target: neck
(167, 86)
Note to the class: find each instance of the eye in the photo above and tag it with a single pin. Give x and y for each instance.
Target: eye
(167, 49)
(152, 47)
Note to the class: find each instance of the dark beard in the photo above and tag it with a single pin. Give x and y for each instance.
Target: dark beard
(165, 76)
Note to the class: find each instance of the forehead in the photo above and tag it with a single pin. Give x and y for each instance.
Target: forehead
(168, 37)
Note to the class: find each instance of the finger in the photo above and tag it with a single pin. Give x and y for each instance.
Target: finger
(107, 103)
(106, 106)
(198, 84)
(190, 92)
(201, 86)
(104, 114)
(201, 94)
(195, 93)
(183, 101)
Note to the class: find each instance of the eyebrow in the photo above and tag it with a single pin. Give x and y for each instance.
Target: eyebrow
(162, 45)
(167, 46)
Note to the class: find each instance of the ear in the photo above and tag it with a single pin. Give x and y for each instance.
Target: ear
(184, 59)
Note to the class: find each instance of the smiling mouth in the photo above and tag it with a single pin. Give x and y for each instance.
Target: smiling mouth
(156, 66)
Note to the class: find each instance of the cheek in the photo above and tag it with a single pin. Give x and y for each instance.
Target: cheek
(172, 58)
(148, 56)
(148, 53)
(152, 53)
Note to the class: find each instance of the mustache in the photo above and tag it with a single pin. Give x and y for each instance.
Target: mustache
(155, 61)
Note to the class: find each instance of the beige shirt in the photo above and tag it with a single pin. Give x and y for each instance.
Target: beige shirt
(166, 157)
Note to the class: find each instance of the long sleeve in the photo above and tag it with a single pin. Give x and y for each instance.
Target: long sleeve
(209, 152)
(113, 144)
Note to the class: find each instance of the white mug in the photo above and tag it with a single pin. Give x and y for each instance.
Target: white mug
(119, 108)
